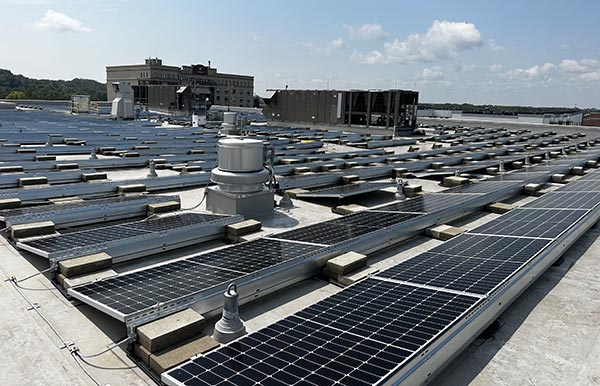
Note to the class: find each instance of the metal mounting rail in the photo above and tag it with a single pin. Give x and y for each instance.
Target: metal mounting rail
(106, 188)
(83, 213)
(122, 246)
(56, 177)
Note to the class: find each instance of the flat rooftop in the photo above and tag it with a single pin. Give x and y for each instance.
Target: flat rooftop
(549, 335)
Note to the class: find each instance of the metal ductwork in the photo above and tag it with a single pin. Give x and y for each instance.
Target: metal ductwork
(240, 179)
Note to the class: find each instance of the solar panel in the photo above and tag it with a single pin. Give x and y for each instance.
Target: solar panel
(582, 186)
(347, 190)
(327, 233)
(376, 220)
(425, 204)
(5, 213)
(359, 337)
(253, 256)
(165, 223)
(139, 290)
(481, 187)
(469, 263)
(100, 236)
(519, 176)
(532, 223)
(87, 238)
(491, 247)
(558, 200)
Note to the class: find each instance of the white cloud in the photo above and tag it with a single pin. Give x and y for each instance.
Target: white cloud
(579, 66)
(373, 57)
(495, 68)
(338, 44)
(431, 73)
(443, 40)
(328, 48)
(254, 36)
(368, 32)
(591, 76)
(464, 67)
(56, 21)
(534, 72)
(27, 2)
(495, 46)
(564, 46)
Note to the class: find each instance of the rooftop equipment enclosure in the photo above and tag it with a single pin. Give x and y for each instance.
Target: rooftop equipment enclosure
(385, 109)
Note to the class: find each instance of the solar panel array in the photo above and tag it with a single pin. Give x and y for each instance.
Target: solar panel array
(140, 290)
(369, 331)
(100, 236)
(347, 190)
(355, 337)
(425, 204)
(312, 238)
(7, 213)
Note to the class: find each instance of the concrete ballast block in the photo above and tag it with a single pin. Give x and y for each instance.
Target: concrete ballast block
(444, 232)
(86, 177)
(397, 172)
(67, 166)
(20, 231)
(65, 200)
(558, 178)
(85, 264)
(348, 209)
(28, 181)
(301, 170)
(412, 190)
(531, 189)
(45, 158)
(10, 203)
(357, 275)
(500, 207)
(135, 188)
(11, 169)
(68, 282)
(163, 207)
(492, 171)
(344, 264)
(142, 353)
(350, 178)
(173, 356)
(162, 333)
(293, 193)
(327, 167)
(577, 170)
(453, 181)
(244, 227)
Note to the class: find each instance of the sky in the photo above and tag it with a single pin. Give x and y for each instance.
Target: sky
(535, 53)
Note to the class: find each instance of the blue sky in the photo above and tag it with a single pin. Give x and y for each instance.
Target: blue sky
(539, 53)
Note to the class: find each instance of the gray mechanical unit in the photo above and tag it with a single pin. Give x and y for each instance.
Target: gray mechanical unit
(240, 179)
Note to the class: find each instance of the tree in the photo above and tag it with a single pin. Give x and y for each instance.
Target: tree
(16, 94)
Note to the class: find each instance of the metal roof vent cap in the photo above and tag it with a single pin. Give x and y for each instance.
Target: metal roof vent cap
(230, 326)
(400, 195)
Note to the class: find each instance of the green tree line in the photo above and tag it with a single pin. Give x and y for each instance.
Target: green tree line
(498, 109)
(21, 87)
